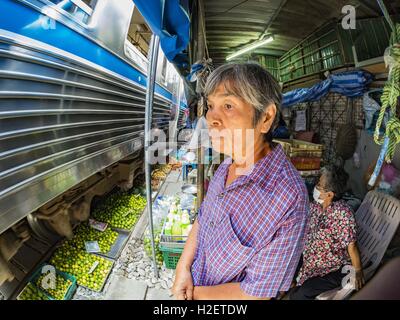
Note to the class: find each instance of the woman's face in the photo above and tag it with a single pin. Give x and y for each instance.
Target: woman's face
(230, 123)
(326, 195)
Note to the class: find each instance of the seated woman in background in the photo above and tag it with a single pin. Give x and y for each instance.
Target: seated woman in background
(331, 239)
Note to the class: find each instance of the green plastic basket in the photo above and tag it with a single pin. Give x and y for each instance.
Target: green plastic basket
(71, 290)
(171, 256)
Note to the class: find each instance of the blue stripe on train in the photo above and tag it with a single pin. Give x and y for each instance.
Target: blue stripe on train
(20, 19)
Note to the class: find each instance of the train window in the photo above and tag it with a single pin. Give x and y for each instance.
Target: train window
(80, 10)
(164, 69)
(135, 55)
(136, 49)
(171, 78)
(138, 40)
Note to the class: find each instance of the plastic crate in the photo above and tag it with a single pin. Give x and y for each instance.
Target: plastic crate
(310, 173)
(36, 288)
(306, 145)
(171, 256)
(71, 290)
(105, 278)
(298, 148)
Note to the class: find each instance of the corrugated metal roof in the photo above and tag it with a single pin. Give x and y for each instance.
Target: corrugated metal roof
(237, 27)
(232, 25)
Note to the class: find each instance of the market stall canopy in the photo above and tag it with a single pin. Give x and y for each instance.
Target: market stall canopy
(170, 21)
(349, 84)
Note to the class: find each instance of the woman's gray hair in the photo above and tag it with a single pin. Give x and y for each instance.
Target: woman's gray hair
(252, 83)
(336, 180)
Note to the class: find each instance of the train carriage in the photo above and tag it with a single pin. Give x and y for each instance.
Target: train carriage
(70, 111)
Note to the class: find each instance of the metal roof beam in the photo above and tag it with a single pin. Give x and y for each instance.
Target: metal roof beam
(271, 21)
(369, 8)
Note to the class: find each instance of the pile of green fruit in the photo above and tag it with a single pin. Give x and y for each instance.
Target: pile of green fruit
(31, 292)
(148, 248)
(121, 210)
(79, 263)
(62, 286)
(85, 232)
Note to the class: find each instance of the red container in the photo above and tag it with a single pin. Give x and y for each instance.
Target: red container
(303, 163)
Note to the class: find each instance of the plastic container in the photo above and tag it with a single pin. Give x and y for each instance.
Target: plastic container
(117, 247)
(176, 239)
(105, 278)
(172, 241)
(71, 290)
(171, 256)
(45, 296)
(168, 229)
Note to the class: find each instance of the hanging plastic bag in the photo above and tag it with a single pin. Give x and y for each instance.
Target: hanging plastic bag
(371, 111)
(390, 60)
(160, 210)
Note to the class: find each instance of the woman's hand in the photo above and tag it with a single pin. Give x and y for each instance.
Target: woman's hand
(183, 284)
(356, 262)
(360, 281)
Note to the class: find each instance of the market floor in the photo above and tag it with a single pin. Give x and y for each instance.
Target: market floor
(123, 288)
(132, 277)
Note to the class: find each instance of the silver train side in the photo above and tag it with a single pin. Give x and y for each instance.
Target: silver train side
(63, 117)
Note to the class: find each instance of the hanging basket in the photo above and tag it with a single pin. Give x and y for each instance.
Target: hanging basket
(346, 141)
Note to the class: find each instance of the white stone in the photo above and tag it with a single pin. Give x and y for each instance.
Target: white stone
(141, 271)
(166, 277)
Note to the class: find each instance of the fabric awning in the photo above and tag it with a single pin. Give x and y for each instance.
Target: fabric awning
(349, 84)
(170, 21)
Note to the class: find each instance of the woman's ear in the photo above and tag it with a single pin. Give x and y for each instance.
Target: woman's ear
(330, 194)
(268, 118)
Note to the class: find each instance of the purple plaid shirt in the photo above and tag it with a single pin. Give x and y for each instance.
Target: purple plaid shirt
(252, 231)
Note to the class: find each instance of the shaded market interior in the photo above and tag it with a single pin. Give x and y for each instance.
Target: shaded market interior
(309, 47)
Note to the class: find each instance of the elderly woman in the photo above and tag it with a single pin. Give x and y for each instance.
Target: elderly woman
(249, 234)
(331, 239)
